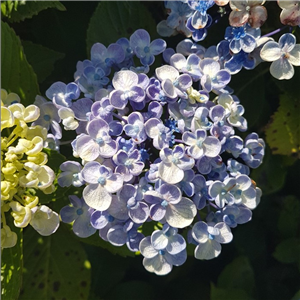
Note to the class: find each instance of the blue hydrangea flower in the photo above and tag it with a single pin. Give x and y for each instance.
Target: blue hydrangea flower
(70, 175)
(172, 83)
(106, 58)
(127, 205)
(118, 235)
(167, 203)
(97, 142)
(102, 183)
(200, 18)
(160, 134)
(213, 78)
(63, 94)
(143, 49)
(233, 215)
(242, 38)
(174, 163)
(198, 34)
(221, 192)
(254, 150)
(126, 84)
(200, 144)
(239, 61)
(178, 12)
(201, 191)
(91, 80)
(49, 119)
(209, 239)
(128, 164)
(189, 65)
(80, 213)
(235, 168)
(284, 55)
(163, 250)
(135, 127)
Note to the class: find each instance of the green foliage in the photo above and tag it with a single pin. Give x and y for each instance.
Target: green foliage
(253, 99)
(17, 75)
(55, 267)
(288, 251)
(17, 11)
(11, 267)
(120, 19)
(270, 176)
(289, 219)
(96, 240)
(283, 133)
(237, 275)
(41, 59)
(224, 294)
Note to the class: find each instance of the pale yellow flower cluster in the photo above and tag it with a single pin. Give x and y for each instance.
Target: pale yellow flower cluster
(23, 170)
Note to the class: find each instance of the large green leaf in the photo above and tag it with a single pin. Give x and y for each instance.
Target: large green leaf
(55, 267)
(237, 275)
(283, 133)
(115, 19)
(16, 74)
(20, 10)
(41, 59)
(11, 267)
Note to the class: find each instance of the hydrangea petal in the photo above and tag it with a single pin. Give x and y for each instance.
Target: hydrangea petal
(208, 250)
(181, 214)
(97, 197)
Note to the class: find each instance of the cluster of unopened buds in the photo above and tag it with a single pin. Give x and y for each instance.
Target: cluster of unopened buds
(23, 170)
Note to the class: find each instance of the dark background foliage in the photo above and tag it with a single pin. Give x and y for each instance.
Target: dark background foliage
(263, 260)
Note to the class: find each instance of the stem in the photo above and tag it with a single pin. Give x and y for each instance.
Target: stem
(3, 220)
(65, 142)
(119, 117)
(275, 31)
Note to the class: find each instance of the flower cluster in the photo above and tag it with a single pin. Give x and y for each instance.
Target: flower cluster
(243, 46)
(160, 149)
(23, 170)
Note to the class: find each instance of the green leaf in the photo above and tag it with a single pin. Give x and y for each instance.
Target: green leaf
(96, 240)
(296, 296)
(283, 133)
(11, 267)
(27, 9)
(289, 219)
(237, 275)
(288, 251)
(252, 99)
(217, 293)
(115, 19)
(17, 75)
(41, 59)
(55, 267)
(270, 176)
